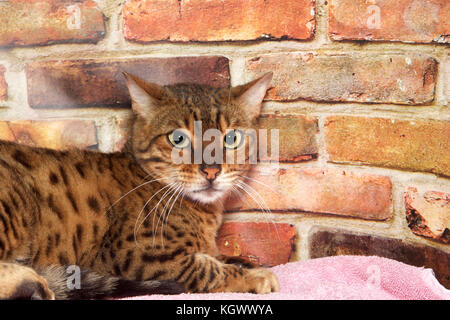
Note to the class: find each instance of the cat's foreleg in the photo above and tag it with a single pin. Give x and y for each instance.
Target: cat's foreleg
(204, 273)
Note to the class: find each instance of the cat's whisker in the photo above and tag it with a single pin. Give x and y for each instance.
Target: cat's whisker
(261, 203)
(143, 208)
(256, 193)
(265, 210)
(155, 230)
(179, 191)
(268, 211)
(261, 183)
(235, 191)
(246, 188)
(171, 171)
(134, 189)
(243, 188)
(228, 174)
(164, 210)
(166, 204)
(239, 194)
(182, 197)
(145, 178)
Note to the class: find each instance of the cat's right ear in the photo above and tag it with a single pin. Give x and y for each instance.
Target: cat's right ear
(145, 97)
(251, 95)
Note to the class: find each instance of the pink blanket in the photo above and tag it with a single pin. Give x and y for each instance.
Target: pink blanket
(341, 277)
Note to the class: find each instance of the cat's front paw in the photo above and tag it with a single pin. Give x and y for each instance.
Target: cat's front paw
(261, 281)
(19, 282)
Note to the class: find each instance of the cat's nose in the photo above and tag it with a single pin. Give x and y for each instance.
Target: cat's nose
(211, 172)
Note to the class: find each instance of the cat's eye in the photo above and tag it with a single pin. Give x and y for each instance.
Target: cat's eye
(179, 139)
(233, 139)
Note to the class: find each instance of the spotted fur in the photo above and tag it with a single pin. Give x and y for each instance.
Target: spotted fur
(100, 211)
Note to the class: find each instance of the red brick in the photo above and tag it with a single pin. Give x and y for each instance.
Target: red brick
(266, 244)
(428, 214)
(3, 85)
(57, 134)
(94, 83)
(296, 137)
(394, 20)
(324, 243)
(419, 145)
(218, 20)
(44, 22)
(382, 78)
(331, 191)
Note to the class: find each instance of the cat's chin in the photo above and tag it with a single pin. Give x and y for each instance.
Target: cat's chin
(206, 196)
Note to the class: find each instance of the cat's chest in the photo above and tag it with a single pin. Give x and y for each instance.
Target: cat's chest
(208, 226)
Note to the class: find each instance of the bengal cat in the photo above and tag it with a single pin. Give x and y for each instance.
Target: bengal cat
(134, 221)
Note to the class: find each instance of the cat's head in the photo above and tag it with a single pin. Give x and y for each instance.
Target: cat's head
(174, 123)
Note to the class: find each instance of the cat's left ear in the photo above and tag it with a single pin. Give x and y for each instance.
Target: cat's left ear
(145, 97)
(251, 95)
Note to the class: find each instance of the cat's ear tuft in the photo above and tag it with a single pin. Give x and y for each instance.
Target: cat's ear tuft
(145, 96)
(251, 95)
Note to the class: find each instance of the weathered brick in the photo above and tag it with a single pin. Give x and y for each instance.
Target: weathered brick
(53, 134)
(394, 20)
(218, 20)
(93, 83)
(446, 72)
(331, 191)
(428, 214)
(296, 137)
(3, 85)
(44, 22)
(419, 145)
(266, 244)
(123, 126)
(324, 243)
(399, 79)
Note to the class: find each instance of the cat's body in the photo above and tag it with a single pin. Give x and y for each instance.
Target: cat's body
(108, 213)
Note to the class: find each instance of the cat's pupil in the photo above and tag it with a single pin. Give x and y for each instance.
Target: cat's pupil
(178, 138)
(230, 138)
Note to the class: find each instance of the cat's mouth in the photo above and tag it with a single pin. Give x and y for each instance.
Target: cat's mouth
(206, 194)
(207, 189)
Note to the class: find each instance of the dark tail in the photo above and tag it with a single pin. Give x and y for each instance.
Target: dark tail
(91, 285)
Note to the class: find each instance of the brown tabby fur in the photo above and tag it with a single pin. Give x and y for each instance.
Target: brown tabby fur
(69, 208)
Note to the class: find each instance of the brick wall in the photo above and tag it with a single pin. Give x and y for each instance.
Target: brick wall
(360, 94)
